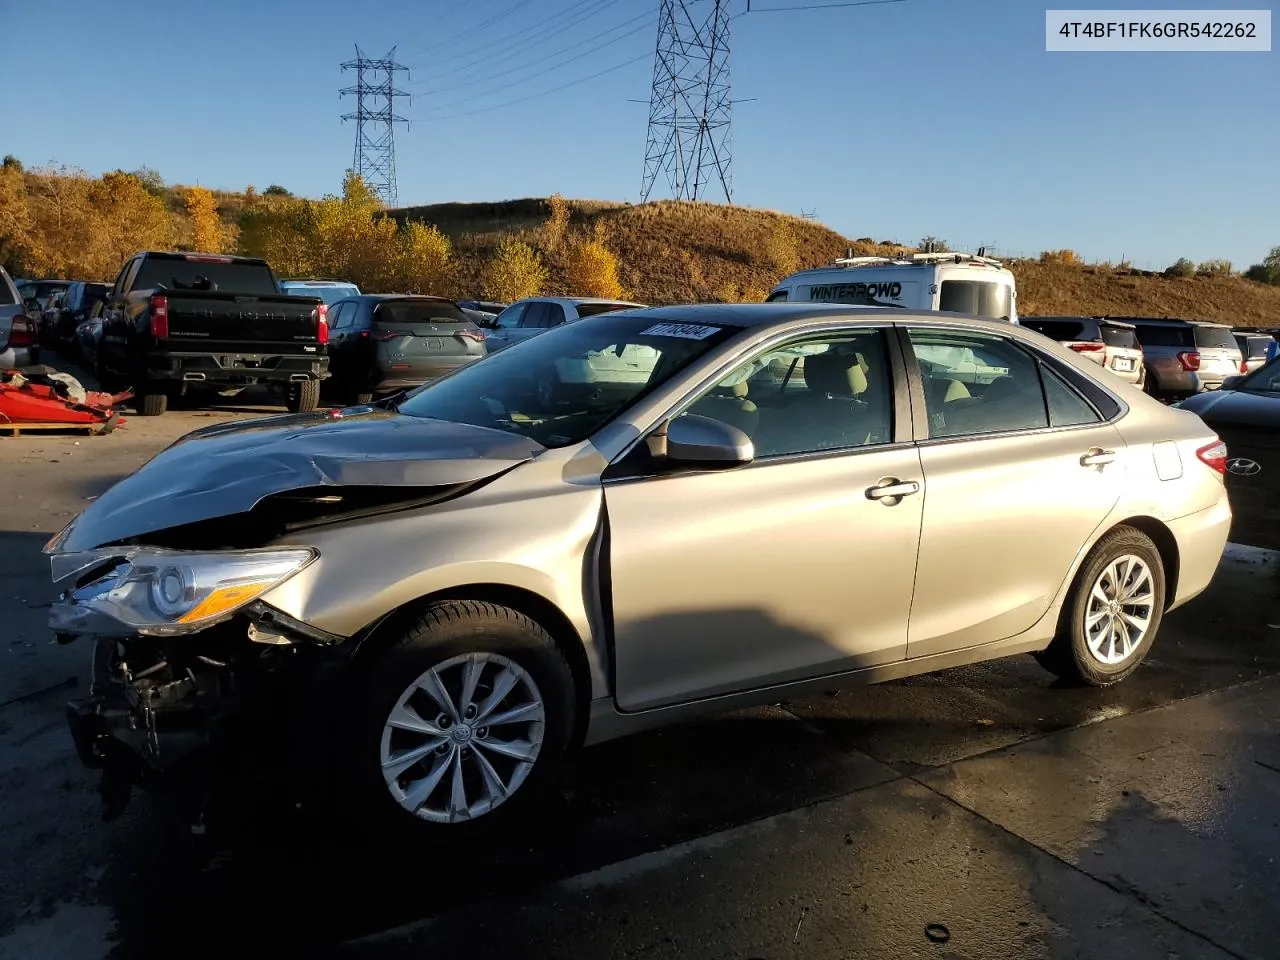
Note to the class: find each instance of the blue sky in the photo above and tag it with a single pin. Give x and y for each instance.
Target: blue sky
(921, 117)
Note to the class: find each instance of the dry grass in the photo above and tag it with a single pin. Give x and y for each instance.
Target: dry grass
(683, 252)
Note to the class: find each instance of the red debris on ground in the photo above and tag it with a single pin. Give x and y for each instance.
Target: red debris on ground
(33, 400)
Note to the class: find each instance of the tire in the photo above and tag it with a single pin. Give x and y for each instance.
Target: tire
(1085, 651)
(447, 639)
(305, 398)
(151, 404)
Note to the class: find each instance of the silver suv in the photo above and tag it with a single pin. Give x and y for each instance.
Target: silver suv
(1185, 357)
(17, 329)
(1108, 343)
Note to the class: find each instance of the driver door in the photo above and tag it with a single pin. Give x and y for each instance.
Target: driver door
(793, 566)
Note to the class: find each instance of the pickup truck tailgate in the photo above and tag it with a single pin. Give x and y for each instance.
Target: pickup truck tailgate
(243, 321)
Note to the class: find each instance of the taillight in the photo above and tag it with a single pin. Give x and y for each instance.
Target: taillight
(21, 332)
(382, 336)
(1088, 347)
(322, 323)
(474, 335)
(160, 316)
(1190, 360)
(1214, 455)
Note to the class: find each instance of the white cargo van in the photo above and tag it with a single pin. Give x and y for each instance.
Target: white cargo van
(958, 282)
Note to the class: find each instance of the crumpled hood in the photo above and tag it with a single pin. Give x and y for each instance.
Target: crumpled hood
(226, 469)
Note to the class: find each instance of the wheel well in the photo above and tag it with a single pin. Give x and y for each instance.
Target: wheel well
(1165, 544)
(536, 607)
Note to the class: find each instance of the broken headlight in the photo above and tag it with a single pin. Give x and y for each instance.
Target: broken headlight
(168, 592)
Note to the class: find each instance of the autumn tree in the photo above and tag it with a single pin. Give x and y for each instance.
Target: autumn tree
(423, 263)
(513, 272)
(129, 218)
(279, 231)
(593, 269)
(207, 232)
(780, 250)
(16, 236)
(557, 223)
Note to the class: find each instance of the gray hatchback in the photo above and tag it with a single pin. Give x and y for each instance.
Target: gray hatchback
(1185, 357)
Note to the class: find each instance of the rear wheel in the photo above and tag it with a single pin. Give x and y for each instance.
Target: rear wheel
(459, 724)
(1113, 613)
(303, 398)
(151, 404)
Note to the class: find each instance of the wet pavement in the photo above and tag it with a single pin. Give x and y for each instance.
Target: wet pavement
(1022, 818)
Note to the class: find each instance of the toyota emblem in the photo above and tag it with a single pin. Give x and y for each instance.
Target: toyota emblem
(1243, 467)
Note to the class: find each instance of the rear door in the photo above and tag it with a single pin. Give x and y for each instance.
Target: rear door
(1219, 354)
(423, 338)
(1019, 471)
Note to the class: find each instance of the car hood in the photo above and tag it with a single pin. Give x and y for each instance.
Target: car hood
(1235, 407)
(227, 469)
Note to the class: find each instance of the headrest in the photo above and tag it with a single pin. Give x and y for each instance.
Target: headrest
(737, 390)
(1002, 388)
(835, 373)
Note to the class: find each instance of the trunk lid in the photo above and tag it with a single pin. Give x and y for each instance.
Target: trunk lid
(410, 331)
(204, 319)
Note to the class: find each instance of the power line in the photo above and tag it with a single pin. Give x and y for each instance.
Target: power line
(555, 66)
(535, 96)
(471, 31)
(525, 38)
(818, 6)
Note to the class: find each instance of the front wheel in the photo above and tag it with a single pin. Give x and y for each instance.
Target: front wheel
(459, 725)
(152, 404)
(1113, 613)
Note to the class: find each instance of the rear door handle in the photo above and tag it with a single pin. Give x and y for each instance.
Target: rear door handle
(1097, 458)
(893, 490)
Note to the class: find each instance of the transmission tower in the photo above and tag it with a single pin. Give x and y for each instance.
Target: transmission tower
(688, 138)
(375, 117)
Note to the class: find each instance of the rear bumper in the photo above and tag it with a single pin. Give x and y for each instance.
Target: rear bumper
(1201, 538)
(236, 369)
(420, 373)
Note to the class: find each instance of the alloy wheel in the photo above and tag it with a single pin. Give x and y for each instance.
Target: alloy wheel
(463, 737)
(1118, 614)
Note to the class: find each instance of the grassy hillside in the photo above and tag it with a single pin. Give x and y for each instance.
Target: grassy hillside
(673, 252)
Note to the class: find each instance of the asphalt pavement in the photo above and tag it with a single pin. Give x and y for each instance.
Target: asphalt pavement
(984, 812)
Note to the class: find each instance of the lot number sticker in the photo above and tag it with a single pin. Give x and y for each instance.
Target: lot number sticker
(686, 331)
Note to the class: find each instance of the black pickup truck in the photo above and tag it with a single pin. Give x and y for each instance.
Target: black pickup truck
(179, 323)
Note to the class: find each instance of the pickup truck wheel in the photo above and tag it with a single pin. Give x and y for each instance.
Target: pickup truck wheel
(152, 404)
(303, 398)
(1111, 617)
(457, 727)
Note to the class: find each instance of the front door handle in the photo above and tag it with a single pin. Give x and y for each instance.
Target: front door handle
(893, 489)
(1097, 457)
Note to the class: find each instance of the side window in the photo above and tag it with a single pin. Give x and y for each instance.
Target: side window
(1066, 407)
(778, 297)
(536, 315)
(341, 316)
(829, 393)
(555, 314)
(125, 279)
(510, 317)
(976, 383)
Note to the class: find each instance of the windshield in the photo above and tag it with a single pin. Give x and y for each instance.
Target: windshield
(1263, 380)
(562, 386)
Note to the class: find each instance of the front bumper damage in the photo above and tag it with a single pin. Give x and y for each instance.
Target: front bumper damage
(184, 716)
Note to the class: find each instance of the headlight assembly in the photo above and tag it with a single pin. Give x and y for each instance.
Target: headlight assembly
(169, 592)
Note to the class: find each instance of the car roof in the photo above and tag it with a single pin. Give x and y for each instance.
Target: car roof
(402, 296)
(1169, 321)
(766, 314)
(579, 300)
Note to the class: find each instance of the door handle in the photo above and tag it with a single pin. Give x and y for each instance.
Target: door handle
(892, 489)
(1097, 458)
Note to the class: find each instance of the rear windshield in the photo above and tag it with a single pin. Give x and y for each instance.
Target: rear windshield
(592, 309)
(976, 297)
(1156, 335)
(184, 274)
(1060, 329)
(1119, 337)
(1215, 337)
(1257, 346)
(404, 314)
(330, 293)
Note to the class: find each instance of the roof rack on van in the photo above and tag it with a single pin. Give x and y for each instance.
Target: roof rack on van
(911, 258)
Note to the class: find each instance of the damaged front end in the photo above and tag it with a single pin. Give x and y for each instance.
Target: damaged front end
(189, 666)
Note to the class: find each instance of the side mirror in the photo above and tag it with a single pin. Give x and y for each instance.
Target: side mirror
(1232, 382)
(706, 442)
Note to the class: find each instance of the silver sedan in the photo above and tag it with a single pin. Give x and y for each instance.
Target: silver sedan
(623, 523)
